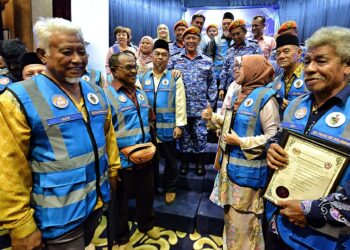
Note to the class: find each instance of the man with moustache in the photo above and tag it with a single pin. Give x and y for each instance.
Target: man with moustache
(177, 45)
(132, 118)
(266, 43)
(240, 47)
(324, 113)
(166, 95)
(58, 147)
(218, 47)
(201, 91)
(198, 21)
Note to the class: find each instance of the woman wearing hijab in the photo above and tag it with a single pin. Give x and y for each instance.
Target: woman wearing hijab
(163, 33)
(243, 172)
(144, 54)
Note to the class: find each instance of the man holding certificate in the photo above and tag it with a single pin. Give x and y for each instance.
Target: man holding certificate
(301, 220)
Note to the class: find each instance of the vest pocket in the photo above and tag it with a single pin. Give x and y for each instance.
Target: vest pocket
(254, 177)
(64, 197)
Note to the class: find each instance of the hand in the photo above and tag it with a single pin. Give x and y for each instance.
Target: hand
(277, 157)
(292, 210)
(207, 113)
(113, 183)
(284, 104)
(177, 133)
(221, 94)
(176, 73)
(231, 138)
(218, 133)
(31, 242)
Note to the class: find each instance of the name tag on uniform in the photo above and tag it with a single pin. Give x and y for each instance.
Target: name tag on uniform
(243, 112)
(289, 125)
(99, 112)
(65, 118)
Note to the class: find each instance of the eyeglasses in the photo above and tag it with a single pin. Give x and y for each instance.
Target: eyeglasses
(129, 67)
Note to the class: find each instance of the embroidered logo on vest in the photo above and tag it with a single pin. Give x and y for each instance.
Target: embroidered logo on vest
(60, 101)
(335, 119)
(248, 102)
(140, 96)
(86, 78)
(300, 113)
(4, 81)
(297, 84)
(165, 82)
(93, 99)
(148, 82)
(122, 98)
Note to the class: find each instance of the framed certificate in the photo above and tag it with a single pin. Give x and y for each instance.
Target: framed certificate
(226, 127)
(313, 169)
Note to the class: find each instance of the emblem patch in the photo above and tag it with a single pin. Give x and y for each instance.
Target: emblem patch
(165, 82)
(297, 84)
(122, 98)
(93, 99)
(248, 102)
(300, 113)
(60, 101)
(4, 81)
(141, 97)
(86, 78)
(335, 119)
(148, 82)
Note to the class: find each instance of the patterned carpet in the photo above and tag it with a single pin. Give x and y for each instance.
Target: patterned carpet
(170, 240)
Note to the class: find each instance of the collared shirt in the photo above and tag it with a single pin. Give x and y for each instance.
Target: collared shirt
(247, 48)
(198, 79)
(174, 48)
(267, 44)
(296, 74)
(16, 213)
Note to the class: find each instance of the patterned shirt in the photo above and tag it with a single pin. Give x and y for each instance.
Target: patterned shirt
(200, 86)
(247, 48)
(174, 48)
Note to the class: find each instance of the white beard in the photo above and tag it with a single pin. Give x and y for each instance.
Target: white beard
(72, 80)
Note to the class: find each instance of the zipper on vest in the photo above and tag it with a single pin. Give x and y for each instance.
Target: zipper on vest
(141, 123)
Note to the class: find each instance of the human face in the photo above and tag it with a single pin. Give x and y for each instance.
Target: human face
(198, 22)
(178, 32)
(126, 71)
(146, 46)
(324, 73)
(160, 58)
(288, 56)
(238, 35)
(32, 70)
(226, 23)
(122, 37)
(212, 32)
(238, 71)
(2, 63)
(191, 42)
(257, 27)
(163, 31)
(66, 58)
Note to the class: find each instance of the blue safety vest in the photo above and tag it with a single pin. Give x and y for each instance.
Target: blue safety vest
(244, 172)
(93, 76)
(67, 155)
(163, 103)
(130, 123)
(295, 118)
(221, 47)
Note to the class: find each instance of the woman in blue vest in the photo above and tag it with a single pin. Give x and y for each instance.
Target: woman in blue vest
(243, 173)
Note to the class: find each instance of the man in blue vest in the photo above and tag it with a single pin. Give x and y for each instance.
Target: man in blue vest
(58, 147)
(166, 95)
(324, 113)
(132, 118)
(218, 47)
(290, 84)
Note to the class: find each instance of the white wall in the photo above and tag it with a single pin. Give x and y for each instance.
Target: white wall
(93, 16)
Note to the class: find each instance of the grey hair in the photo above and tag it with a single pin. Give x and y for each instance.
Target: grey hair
(44, 28)
(335, 36)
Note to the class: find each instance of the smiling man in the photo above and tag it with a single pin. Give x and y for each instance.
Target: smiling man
(200, 85)
(266, 43)
(59, 147)
(324, 113)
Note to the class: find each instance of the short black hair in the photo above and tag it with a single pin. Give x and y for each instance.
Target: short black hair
(261, 17)
(12, 49)
(114, 60)
(198, 15)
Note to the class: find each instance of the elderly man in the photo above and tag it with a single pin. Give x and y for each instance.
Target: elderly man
(324, 113)
(132, 118)
(240, 47)
(59, 147)
(217, 48)
(197, 70)
(31, 65)
(266, 43)
(178, 45)
(12, 51)
(290, 84)
(166, 95)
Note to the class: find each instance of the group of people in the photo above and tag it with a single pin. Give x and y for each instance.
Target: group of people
(73, 150)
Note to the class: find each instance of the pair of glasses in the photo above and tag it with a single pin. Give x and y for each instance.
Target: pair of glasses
(129, 67)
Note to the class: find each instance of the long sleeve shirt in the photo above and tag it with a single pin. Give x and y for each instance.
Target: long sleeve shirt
(16, 214)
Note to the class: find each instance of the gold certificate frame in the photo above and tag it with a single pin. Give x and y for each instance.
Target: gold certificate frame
(313, 170)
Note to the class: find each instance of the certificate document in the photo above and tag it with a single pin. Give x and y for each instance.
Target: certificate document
(313, 169)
